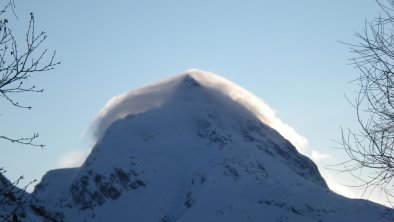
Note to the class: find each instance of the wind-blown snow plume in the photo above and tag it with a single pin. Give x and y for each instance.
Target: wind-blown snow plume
(146, 98)
(74, 158)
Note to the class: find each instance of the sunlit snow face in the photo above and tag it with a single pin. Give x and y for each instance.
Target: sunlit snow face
(143, 99)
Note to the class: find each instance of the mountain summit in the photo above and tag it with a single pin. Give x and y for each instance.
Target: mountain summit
(177, 88)
(193, 148)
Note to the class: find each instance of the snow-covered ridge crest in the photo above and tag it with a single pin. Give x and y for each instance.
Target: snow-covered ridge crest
(148, 97)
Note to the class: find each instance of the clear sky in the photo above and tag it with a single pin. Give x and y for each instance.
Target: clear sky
(285, 52)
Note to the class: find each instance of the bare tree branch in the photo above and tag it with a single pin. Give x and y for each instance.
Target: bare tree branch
(19, 62)
(17, 67)
(371, 149)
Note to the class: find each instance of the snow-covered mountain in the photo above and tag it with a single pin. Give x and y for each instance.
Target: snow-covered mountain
(186, 150)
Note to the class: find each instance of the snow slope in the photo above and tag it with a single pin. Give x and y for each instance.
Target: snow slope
(190, 151)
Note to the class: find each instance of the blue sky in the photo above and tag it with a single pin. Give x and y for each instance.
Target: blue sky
(285, 52)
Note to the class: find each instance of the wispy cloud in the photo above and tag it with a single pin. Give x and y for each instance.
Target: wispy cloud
(339, 188)
(74, 158)
(319, 156)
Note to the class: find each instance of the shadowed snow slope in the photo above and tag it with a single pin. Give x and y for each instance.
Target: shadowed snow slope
(194, 152)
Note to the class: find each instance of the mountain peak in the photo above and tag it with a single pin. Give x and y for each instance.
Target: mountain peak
(190, 79)
(148, 97)
(197, 73)
(197, 77)
(193, 148)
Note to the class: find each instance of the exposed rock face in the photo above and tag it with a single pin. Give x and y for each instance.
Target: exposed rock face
(195, 154)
